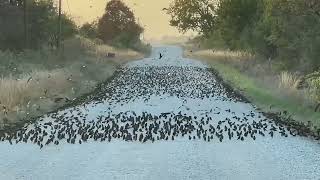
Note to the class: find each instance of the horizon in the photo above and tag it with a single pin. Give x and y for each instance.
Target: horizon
(148, 13)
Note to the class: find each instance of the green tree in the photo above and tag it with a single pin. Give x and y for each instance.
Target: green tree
(289, 31)
(233, 18)
(42, 24)
(118, 25)
(196, 15)
(11, 23)
(286, 31)
(89, 30)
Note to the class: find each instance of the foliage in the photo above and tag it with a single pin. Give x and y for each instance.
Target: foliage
(196, 15)
(284, 31)
(233, 17)
(118, 25)
(142, 47)
(41, 25)
(11, 23)
(89, 30)
(313, 83)
(289, 32)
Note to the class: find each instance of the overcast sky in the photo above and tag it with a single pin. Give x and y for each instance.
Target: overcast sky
(149, 13)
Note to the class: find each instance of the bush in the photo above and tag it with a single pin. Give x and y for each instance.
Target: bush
(313, 83)
(142, 47)
(89, 30)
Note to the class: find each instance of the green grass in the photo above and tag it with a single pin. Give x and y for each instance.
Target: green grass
(261, 94)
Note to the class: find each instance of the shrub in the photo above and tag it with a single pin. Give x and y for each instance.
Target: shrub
(313, 83)
(288, 80)
(89, 30)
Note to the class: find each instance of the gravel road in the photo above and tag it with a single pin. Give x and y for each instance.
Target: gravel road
(158, 119)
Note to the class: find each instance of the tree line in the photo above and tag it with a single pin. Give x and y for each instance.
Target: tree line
(41, 25)
(117, 25)
(285, 31)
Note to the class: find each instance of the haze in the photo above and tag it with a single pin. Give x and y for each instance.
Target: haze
(148, 12)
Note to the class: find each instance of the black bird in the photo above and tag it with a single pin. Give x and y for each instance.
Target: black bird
(160, 57)
(29, 79)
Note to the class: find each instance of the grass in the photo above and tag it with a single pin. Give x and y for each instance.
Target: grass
(272, 93)
(32, 82)
(288, 80)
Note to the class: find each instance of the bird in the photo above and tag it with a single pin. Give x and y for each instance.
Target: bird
(30, 79)
(4, 109)
(45, 91)
(74, 124)
(56, 100)
(160, 56)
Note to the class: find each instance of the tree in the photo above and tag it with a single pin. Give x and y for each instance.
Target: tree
(118, 23)
(313, 6)
(11, 23)
(43, 21)
(89, 30)
(41, 27)
(233, 17)
(196, 15)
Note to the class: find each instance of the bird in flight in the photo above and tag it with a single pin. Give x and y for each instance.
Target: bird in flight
(160, 56)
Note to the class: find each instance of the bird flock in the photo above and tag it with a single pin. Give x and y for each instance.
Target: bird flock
(121, 110)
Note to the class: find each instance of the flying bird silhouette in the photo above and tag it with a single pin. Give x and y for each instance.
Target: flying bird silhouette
(160, 56)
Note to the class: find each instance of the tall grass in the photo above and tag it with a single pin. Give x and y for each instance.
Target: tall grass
(226, 55)
(32, 81)
(32, 91)
(99, 50)
(289, 80)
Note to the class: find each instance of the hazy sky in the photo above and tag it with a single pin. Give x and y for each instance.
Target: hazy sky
(149, 13)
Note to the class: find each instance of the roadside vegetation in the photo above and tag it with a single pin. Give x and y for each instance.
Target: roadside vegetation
(38, 77)
(276, 94)
(267, 49)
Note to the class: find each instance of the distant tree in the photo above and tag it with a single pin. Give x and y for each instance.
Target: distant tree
(118, 22)
(89, 30)
(196, 15)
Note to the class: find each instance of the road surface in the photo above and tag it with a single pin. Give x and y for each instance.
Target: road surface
(158, 119)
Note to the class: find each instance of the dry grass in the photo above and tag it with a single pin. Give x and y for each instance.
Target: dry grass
(16, 94)
(241, 60)
(246, 63)
(99, 50)
(235, 56)
(288, 80)
(27, 96)
(40, 79)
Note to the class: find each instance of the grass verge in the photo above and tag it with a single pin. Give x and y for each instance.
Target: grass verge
(268, 96)
(33, 83)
